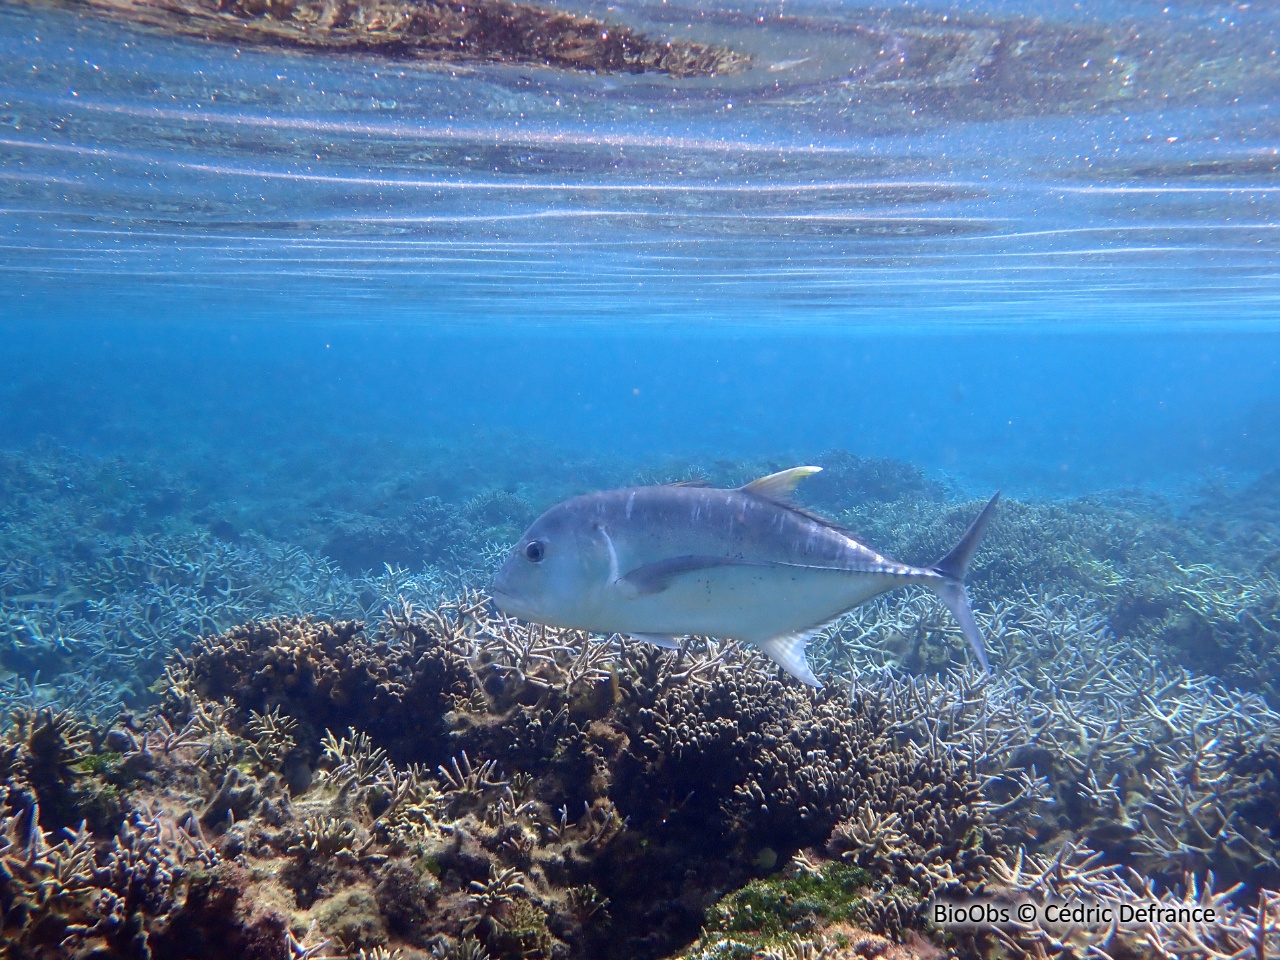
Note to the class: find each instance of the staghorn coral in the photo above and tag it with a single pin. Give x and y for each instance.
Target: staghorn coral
(1075, 875)
(429, 531)
(783, 767)
(1237, 932)
(1213, 621)
(111, 565)
(355, 762)
(499, 513)
(465, 949)
(158, 890)
(466, 785)
(137, 878)
(1086, 734)
(43, 886)
(488, 898)
(326, 675)
(324, 839)
(848, 481)
(51, 756)
(1124, 558)
(144, 596)
(868, 838)
(272, 738)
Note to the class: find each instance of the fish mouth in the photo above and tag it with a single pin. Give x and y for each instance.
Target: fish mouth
(507, 603)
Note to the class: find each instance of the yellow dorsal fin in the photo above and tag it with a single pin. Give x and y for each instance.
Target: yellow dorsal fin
(779, 486)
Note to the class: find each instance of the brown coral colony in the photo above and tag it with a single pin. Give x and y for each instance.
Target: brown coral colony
(460, 782)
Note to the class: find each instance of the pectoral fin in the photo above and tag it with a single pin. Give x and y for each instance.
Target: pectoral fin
(787, 651)
(658, 576)
(666, 643)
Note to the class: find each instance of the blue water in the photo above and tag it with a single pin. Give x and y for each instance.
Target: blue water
(1070, 287)
(1051, 412)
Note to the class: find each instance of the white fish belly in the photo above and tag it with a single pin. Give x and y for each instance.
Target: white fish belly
(747, 603)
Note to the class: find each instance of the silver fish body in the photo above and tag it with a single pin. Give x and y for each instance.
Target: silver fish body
(661, 562)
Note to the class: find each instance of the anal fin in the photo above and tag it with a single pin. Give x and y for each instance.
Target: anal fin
(787, 651)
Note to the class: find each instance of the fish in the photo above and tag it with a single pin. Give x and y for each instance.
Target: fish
(656, 563)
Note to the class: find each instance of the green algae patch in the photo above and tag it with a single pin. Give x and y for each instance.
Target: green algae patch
(104, 764)
(778, 908)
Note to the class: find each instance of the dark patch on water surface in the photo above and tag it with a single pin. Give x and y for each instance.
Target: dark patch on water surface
(483, 30)
(1248, 166)
(901, 66)
(897, 67)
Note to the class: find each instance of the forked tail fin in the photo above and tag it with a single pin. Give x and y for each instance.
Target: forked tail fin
(950, 589)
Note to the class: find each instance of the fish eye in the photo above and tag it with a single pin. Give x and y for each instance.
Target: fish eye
(535, 550)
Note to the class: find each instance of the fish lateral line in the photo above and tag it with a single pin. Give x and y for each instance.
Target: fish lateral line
(654, 578)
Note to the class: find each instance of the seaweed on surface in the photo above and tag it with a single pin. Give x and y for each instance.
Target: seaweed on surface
(498, 31)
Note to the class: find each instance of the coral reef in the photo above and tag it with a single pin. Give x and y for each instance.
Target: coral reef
(1073, 875)
(1169, 772)
(848, 481)
(429, 532)
(1219, 615)
(1212, 621)
(129, 880)
(340, 750)
(109, 565)
(108, 568)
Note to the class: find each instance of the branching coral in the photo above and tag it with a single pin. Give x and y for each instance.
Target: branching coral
(1167, 928)
(488, 897)
(355, 762)
(74, 897)
(1160, 769)
(1235, 932)
(1218, 622)
(42, 885)
(272, 738)
(910, 783)
(466, 784)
